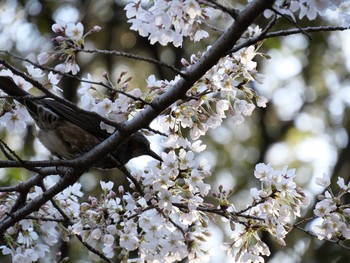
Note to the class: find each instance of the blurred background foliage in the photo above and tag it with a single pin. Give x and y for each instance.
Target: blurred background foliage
(306, 124)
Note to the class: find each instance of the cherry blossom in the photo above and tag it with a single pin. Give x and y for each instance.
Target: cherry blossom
(169, 220)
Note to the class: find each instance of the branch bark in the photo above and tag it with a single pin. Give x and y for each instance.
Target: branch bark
(142, 120)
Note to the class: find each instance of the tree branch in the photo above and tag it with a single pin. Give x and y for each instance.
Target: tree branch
(132, 56)
(288, 32)
(74, 77)
(338, 241)
(142, 120)
(70, 178)
(214, 4)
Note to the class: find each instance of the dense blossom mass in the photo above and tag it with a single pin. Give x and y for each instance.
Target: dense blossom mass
(169, 219)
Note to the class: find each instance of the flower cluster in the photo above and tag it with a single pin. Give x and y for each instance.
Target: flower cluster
(152, 223)
(162, 222)
(117, 106)
(176, 189)
(167, 220)
(307, 8)
(275, 207)
(70, 39)
(168, 21)
(310, 8)
(223, 88)
(15, 117)
(334, 215)
(30, 239)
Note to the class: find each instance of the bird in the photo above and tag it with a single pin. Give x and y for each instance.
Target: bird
(68, 134)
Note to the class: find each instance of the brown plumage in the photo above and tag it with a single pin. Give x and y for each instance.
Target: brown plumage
(68, 134)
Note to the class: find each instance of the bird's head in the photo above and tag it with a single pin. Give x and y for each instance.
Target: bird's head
(137, 145)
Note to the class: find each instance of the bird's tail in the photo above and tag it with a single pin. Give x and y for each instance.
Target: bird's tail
(11, 88)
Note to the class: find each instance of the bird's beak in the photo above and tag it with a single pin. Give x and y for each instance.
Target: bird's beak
(154, 155)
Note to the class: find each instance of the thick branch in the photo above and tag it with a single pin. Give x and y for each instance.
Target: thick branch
(70, 178)
(144, 118)
(178, 91)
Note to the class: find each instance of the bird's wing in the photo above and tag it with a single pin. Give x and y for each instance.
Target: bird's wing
(10, 88)
(89, 123)
(85, 121)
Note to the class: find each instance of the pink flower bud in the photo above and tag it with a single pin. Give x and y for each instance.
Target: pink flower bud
(96, 29)
(105, 75)
(121, 190)
(43, 58)
(58, 39)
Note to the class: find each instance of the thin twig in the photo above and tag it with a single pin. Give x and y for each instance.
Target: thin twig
(254, 40)
(68, 221)
(291, 21)
(28, 97)
(13, 157)
(34, 180)
(214, 4)
(221, 212)
(20, 201)
(4, 150)
(305, 29)
(93, 250)
(65, 102)
(45, 219)
(55, 205)
(132, 179)
(157, 132)
(288, 32)
(262, 200)
(304, 220)
(29, 165)
(132, 56)
(174, 223)
(99, 83)
(338, 241)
